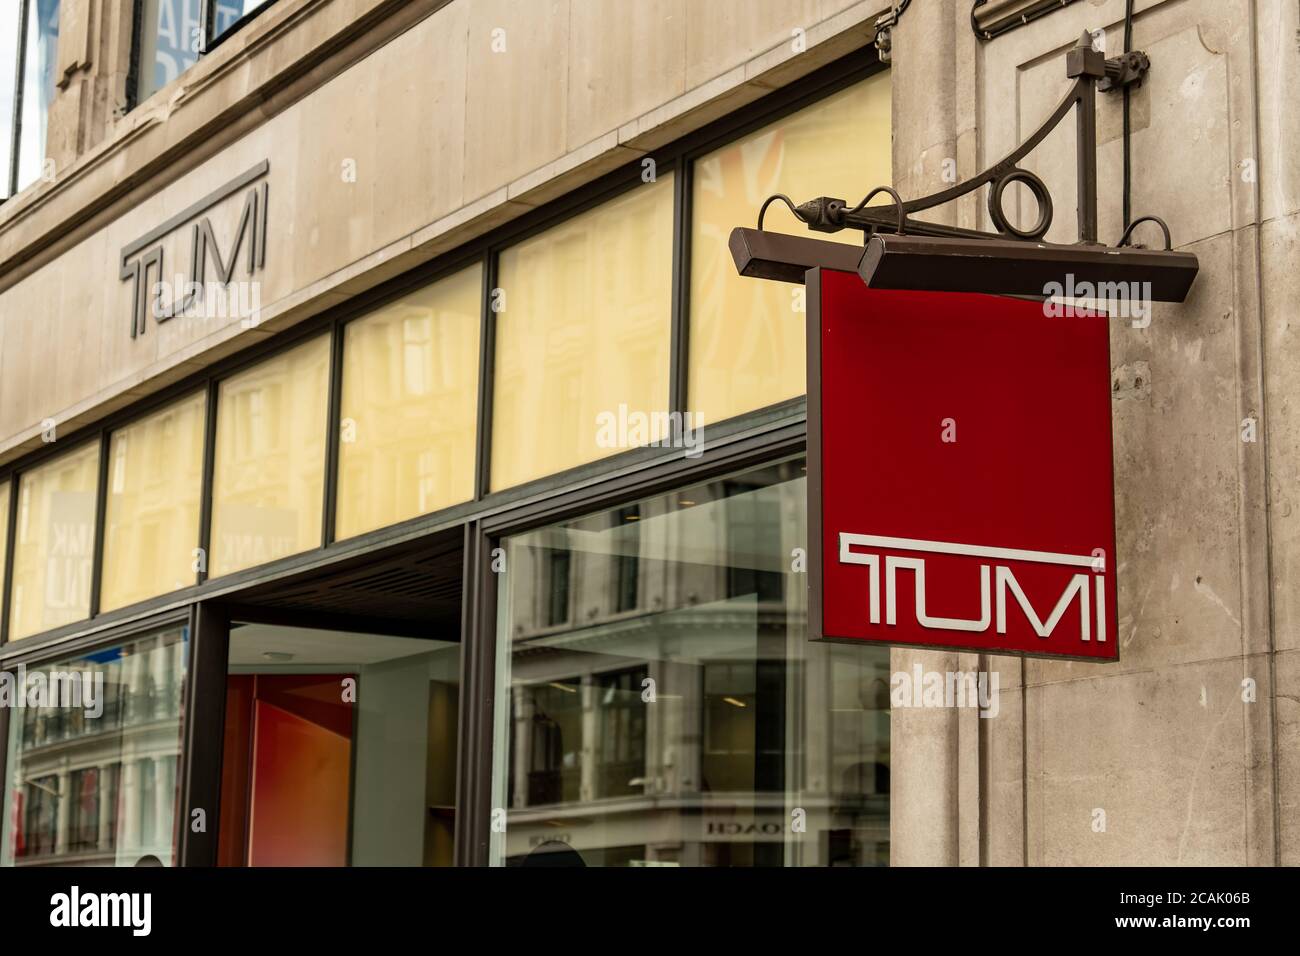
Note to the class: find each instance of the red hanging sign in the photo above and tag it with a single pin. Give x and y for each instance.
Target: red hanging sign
(961, 492)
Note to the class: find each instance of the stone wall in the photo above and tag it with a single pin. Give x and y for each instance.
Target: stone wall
(1163, 744)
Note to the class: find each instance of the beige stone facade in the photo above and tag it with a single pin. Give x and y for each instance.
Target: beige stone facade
(394, 133)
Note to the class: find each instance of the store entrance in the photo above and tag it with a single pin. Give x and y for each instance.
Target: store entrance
(342, 698)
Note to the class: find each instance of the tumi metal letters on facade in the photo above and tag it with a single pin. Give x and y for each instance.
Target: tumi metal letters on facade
(154, 291)
(960, 477)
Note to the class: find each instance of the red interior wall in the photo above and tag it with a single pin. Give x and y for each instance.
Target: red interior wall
(287, 772)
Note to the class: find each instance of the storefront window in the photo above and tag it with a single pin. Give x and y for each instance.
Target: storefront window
(747, 346)
(54, 543)
(269, 481)
(173, 33)
(226, 13)
(151, 528)
(9, 35)
(694, 725)
(93, 776)
(408, 424)
(583, 326)
(171, 36)
(27, 92)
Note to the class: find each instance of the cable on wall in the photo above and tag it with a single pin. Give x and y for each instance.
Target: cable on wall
(1128, 165)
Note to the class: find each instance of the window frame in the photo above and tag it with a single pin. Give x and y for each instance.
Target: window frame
(16, 121)
(451, 267)
(106, 477)
(333, 348)
(12, 188)
(760, 443)
(207, 17)
(10, 535)
(123, 634)
(604, 190)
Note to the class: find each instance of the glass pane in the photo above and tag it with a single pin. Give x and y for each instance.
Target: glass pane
(171, 35)
(410, 406)
(747, 347)
(54, 543)
(229, 12)
(93, 776)
(677, 715)
(583, 334)
(269, 483)
(4, 536)
(8, 74)
(39, 68)
(151, 524)
(339, 748)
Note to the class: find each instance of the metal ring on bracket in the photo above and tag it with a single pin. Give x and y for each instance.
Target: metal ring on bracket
(898, 204)
(1123, 240)
(1039, 190)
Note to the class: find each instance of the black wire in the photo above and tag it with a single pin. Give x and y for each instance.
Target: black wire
(1128, 166)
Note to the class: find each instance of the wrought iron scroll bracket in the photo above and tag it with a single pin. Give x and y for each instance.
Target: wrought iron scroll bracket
(1090, 72)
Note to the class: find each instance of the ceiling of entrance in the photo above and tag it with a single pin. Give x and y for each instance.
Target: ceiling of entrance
(416, 591)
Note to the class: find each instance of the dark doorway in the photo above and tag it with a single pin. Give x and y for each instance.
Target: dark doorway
(342, 699)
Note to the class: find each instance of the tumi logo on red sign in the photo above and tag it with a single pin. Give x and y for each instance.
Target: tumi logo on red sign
(960, 478)
(1085, 591)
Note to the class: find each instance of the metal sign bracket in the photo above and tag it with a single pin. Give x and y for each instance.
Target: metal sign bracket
(901, 252)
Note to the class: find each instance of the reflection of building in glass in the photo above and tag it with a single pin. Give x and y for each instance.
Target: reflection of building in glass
(101, 790)
(665, 706)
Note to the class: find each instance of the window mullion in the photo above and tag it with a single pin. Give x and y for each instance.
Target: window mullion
(101, 507)
(680, 342)
(24, 11)
(209, 18)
